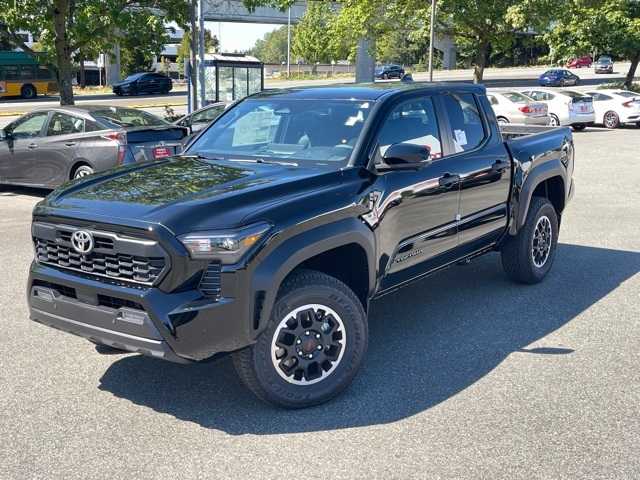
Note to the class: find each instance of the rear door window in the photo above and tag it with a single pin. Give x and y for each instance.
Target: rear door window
(465, 122)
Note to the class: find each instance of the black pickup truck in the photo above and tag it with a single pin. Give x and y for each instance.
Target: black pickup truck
(271, 234)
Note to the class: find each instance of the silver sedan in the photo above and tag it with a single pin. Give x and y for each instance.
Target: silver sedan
(515, 107)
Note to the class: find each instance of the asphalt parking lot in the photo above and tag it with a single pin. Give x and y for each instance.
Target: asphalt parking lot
(467, 375)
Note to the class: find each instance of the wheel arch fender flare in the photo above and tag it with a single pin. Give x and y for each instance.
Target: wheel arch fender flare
(75, 163)
(272, 270)
(521, 198)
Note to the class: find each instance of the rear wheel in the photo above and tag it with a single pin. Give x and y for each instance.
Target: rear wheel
(28, 92)
(578, 127)
(82, 171)
(611, 119)
(527, 257)
(502, 120)
(312, 347)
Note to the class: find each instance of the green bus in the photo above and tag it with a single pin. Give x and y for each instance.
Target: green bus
(21, 75)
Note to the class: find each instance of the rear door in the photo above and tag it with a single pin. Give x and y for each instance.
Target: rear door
(484, 167)
(20, 151)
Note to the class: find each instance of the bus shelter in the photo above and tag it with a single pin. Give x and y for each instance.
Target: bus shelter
(229, 76)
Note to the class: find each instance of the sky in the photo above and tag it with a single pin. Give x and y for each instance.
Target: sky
(238, 36)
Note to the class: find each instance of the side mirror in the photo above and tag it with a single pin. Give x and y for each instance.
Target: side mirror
(405, 156)
(4, 135)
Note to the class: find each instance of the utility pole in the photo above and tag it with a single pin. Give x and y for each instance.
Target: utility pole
(193, 73)
(432, 38)
(289, 44)
(201, 51)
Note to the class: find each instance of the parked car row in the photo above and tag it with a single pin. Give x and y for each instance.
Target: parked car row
(561, 107)
(604, 64)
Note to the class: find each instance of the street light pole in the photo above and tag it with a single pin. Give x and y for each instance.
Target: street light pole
(201, 52)
(432, 38)
(289, 44)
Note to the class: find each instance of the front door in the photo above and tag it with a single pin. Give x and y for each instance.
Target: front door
(485, 171)
(20, 150)
(416, 212)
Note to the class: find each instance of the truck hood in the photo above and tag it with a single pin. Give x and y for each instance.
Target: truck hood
(183, 193)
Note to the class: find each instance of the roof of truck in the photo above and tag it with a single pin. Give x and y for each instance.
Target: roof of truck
(366, 91)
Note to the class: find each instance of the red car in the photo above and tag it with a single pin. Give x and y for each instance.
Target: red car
(585, 61)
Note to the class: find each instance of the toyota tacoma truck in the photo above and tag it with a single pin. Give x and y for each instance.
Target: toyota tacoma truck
(271, 234)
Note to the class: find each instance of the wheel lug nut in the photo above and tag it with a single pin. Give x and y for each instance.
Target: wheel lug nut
(317, 335)
(319, 347)
(310, 356)
(307, 333)
(298, 342)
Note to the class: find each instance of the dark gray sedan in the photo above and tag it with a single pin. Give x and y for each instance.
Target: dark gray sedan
(49, 146)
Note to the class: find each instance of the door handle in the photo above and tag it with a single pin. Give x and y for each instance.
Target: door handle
(499, 166)
(448, 180)
(32, 146)
(70, 144)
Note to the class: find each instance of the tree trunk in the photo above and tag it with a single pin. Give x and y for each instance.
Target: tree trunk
(481, 62)
(192, 54)
(632, 70)
(64, 68)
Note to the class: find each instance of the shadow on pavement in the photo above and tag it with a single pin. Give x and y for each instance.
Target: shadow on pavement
(427, 343)
(11, 191)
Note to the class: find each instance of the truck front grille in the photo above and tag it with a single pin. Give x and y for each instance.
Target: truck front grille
(113, 257)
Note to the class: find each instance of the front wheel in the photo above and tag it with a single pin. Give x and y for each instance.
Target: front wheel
(312, 347)
(527, 257)
(554, 121)
(28, 92)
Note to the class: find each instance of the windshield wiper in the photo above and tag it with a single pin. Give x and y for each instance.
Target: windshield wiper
(262, 160)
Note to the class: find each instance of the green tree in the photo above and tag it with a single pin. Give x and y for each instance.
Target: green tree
(577, 27)
(311, 39)
(65, 27)
(211, 45)
(272, 48)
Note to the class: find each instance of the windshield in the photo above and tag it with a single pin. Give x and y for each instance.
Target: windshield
(627, 94)
(516, 97)
(321, 132)
(551, 73)
(604, 60)
(128, 117)
(135, 76)
(572, 94)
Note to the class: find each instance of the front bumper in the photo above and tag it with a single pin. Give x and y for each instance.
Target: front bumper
(181, 327)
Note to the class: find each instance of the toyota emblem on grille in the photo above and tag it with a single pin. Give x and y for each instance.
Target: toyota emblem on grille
(82, 241)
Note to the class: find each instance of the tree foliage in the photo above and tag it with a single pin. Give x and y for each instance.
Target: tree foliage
(311, 39)
(272, 47)
(72, 28)
(578, 27)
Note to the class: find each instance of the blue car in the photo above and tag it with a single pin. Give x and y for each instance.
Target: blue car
(558, 77)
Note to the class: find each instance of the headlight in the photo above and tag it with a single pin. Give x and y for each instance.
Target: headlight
(227, 245)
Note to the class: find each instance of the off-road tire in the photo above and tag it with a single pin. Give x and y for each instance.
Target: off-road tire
(255, 366)
(517, 257)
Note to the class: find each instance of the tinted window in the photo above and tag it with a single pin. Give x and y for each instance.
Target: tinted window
(9, 72)
(63, 124)
(492, 99)
(135, 76)
(27, 72)
(317, 131)
(207, 115)
(413, 121)
(628, 94)
(44, 73)
(572, 94)
(29, 126)
(127, 117)
(466, 126)
(516, 97)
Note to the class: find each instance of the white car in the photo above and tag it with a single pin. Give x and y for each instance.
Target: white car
(514, 107)
(566, 107)
(616, 107)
